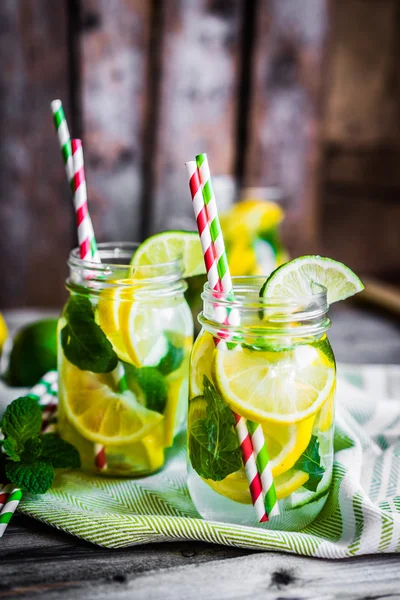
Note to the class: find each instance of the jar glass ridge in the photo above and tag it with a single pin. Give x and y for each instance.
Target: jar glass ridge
(277, 369)
(124, 342)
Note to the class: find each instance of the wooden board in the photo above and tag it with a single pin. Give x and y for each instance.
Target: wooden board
(284, 138)
(362, 231)
(198, 99)
(36, 218)
(114, 59)
(362, 104)
(360, 209)
(40, 562)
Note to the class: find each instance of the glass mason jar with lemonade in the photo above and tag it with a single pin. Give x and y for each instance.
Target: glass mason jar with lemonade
(275, 368)
(124, 338)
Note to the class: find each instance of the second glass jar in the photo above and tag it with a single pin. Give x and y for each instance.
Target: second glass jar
(275, 368)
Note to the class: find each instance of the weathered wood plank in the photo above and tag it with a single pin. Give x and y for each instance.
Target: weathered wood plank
(284, 137)
(362, 107)
(375, 169)
(362, 231)
(37, 559)
(259, 576)
(36, 218)
(114, 39)
(362, 128)
(200, 65)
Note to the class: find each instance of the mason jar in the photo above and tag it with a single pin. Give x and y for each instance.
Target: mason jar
(271, 368)
(124, 340)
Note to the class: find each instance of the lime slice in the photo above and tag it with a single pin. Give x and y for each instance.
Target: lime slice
(169, 246)
(281, 387)
(98, 413)
(296, 279)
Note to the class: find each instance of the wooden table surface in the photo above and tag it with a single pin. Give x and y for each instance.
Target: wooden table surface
(37, 561)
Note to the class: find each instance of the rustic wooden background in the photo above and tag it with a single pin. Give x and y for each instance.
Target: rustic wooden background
(300, 94)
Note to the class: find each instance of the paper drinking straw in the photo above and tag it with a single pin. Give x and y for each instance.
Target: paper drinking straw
(264, 468)
(5, 489)
(86, 239)
(88, 251)
(60, 123)
(260, 451)
(215, 283)
(9, 509)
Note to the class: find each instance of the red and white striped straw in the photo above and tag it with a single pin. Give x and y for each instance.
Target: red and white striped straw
(86, 238)
(86, 241)
(210, 259)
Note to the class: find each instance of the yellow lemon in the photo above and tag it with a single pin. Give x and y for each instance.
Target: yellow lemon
(236, 487)
(107, 316)
(98, 413)
(282, 387)
(286, 443)
(200, 362)
(3, 332)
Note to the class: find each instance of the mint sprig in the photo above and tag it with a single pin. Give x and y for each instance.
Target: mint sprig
(84, 343)
(29, 457)
(310, 462)
(173, 358)
(213, 445)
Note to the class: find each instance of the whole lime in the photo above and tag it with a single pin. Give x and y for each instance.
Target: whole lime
(34, 352)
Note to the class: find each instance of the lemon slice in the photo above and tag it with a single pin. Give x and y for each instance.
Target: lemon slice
(286, 443)
(101, 415)
(170, 246)
(326, 415)
(281, 387)
(236, 487)
(201, 362)
(143, 326)
(289, 482)
(176, 400)
(142, 333)
(107, 316)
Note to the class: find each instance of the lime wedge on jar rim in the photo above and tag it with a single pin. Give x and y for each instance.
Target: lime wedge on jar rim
(297, 278)
(169, 246)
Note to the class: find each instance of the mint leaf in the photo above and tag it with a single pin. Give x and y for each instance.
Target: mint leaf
(310, 462)
(174, 357)
(84, 343)
(32, 449)
(213, 445)
(341, 441)
(22, 419)
(12, 449)
(149, 385)
(35, 477)
(59, 453)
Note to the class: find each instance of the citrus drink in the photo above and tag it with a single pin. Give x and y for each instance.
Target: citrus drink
(124, 342)
(276, 369)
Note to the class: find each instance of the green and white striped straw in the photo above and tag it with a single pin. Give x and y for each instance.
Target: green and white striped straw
(264, 468)
(260, 450)
(60, 123)
(13, 497)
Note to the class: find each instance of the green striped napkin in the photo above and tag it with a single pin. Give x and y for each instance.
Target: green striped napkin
(361, 516)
